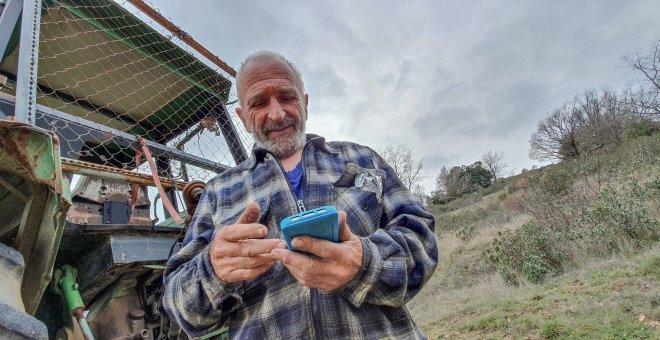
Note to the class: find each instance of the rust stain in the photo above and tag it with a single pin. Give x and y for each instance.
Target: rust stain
(24, 162)
(15, 145)
(116, 174)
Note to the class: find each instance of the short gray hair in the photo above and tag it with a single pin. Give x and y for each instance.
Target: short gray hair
(268, 55)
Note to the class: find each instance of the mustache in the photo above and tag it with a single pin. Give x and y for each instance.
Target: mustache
(276, 126)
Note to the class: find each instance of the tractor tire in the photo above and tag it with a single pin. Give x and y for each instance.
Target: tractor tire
(14, 322)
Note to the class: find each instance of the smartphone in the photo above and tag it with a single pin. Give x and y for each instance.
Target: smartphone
(321, 223)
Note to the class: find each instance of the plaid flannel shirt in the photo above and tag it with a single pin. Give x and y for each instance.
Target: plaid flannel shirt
(399, 251)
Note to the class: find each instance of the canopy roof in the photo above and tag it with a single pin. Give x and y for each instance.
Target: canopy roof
(99, 62)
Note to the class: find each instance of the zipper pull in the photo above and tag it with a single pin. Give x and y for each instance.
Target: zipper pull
(301, 205)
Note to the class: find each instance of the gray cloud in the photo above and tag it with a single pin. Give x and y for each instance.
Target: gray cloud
(452, 79)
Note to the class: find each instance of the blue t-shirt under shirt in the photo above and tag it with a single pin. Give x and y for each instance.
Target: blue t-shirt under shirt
(295, 178)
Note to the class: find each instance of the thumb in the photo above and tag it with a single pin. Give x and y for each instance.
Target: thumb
(345, 232)
(250, 214)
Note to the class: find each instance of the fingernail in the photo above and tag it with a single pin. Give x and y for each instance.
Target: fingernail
(281, 245)
(297, 243)
(262, 231)
(275, 254)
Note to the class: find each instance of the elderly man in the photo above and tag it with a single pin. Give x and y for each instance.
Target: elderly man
(234, 269)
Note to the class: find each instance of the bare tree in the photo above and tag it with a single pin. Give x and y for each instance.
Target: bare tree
(555, 136)
(401, 159)
(646, 98)
(647, 64)
(419, 192)
(589, 122)
(494, 162)
(642, 101)
(602, 119)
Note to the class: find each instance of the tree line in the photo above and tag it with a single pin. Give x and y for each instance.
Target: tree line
(591, 121)
(451, 183)
(597, 119)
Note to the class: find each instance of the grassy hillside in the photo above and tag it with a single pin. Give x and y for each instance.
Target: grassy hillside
(566, 251)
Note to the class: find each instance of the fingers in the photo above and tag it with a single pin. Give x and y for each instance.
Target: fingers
(250, 214)
(244, 248)
(344, 231)
(242, 260)
(241, 274)
(309, 272)
(335, 265)
(237, 232)
(288, 257)
(247, 262)
(322, 248)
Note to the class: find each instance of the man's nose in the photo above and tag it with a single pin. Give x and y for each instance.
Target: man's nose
(275, 110)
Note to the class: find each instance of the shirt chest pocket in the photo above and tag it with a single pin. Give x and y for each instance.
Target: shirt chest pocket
(359, 192)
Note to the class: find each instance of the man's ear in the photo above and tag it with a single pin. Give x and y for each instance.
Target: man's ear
(246, 124)
(306, 104)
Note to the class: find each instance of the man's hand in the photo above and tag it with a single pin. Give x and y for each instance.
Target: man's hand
(239, 252)
(336, 264)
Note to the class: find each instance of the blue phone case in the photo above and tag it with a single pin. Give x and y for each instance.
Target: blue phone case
(321, 223)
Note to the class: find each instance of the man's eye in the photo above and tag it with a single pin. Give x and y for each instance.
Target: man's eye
(259, 103)
(287, 98)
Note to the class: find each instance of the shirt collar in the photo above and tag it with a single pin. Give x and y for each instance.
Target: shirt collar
(259, 154)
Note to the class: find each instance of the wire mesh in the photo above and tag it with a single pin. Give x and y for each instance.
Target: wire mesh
(108, 74)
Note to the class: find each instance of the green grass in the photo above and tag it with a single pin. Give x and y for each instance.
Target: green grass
(602, 302)
(600, 295)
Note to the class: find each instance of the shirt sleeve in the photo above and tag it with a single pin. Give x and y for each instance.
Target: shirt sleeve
(194, 297)
(400, 257)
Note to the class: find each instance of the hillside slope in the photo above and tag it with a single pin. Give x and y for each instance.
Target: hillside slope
(566, 251)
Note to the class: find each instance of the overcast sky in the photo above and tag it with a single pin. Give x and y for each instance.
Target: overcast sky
(452, 79)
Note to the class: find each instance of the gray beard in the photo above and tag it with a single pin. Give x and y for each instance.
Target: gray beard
(281, 147)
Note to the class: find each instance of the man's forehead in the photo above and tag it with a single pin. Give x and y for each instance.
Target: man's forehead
(266, 68)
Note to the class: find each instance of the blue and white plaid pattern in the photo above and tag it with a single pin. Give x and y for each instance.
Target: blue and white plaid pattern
(397, 233)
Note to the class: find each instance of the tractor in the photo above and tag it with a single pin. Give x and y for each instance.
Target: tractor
(111, 120)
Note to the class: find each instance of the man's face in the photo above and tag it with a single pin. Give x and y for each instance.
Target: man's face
(273, 108)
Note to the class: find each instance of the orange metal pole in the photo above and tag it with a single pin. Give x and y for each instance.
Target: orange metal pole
(181, 34)
(163, 197)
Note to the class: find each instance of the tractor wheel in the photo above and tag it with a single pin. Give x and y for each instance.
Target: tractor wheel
(14, 322)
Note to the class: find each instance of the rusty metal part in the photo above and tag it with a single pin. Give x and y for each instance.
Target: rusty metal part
(167, 204)
(191, 194)
(92, 197)
(181, 34)
(100, 190)
(14, 190)
(31, 169)
(115, 174)
(28, 152)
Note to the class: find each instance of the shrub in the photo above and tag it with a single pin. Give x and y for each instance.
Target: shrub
(620, 215)
(642, 127)
(467, 232)
(463, 223)
(594, 205)
(552, 330)
(555, 182)
(531, 251)
(545, 247)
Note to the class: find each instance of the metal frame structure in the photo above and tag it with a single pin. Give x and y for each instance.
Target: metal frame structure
(159, 149)
(25, 106)
(38, 193)
(26, 82)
